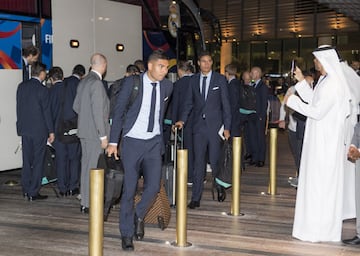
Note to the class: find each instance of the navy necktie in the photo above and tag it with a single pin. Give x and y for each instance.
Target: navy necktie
(203, 88)
(152, 108)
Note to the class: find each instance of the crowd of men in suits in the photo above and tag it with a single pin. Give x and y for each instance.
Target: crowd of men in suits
(205, 104)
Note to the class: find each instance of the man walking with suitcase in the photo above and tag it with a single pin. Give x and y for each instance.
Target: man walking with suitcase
(208, 99)
(142, 143)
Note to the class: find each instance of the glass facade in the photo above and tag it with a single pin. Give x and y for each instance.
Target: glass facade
(270, 33)
(275, 55)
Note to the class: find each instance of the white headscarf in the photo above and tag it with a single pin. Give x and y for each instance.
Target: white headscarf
(353, 81)
(329, 59)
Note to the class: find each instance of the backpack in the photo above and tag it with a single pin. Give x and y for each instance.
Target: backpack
(115, 89)
(247, 97)
(274, 109)
(67, 129)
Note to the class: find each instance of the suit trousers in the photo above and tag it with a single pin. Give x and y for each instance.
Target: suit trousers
(188, 144)
(257, 138)
(91, 149)
(67, 165)
(204, 142)
(33, 151)
(296, 148)
(139, 156)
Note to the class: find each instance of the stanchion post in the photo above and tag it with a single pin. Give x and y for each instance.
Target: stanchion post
(273, 160)
(181, 198)
(96, 223)
(235, 203)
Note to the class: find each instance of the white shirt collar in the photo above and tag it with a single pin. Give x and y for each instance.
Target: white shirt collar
(25, 61)
(207, 75)
(231, 78)
(99, 75)
(147, 79)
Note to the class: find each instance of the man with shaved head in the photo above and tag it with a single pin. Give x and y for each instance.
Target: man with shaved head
(92, 106)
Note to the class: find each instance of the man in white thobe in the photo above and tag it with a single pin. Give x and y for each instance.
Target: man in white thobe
(319, 202)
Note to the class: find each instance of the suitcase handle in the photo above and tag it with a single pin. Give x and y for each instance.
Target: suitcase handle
(177, 136)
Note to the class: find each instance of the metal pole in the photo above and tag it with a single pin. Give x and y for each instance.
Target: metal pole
(96, 223)
(235, 203)
(273, 159)
(181, 198)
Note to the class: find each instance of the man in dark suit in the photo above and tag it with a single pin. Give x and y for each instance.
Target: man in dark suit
(247, 112)
(181, 87)
(257, 122)
(234, 97)
(34, 125)
(67, 154)
(92, 106)
(208, 99)
(140, 126)
(30, 55)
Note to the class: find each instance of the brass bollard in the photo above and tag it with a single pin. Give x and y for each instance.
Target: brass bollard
(181, 198)
(235, 203)
(96, 214)
(273, 160)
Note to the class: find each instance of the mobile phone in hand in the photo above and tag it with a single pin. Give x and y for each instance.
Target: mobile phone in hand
(293, 67)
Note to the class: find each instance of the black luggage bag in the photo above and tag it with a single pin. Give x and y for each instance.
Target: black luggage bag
(49, 166)
(50, 176)
(114, 177)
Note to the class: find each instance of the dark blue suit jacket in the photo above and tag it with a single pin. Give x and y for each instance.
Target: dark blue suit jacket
(25, 70)
(58, 93)
(55, 98)
(216, 108)
(123, 120)
(179, 97)
(33, 109)
(72, 83)
(261, 100)
(234, 96)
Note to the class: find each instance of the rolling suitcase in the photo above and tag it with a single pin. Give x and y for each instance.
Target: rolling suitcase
(159, 213)
(169, 168)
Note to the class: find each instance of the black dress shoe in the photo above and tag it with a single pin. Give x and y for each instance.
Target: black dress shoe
(353, 241)
(106, 214)
(63, 194)
(84, 209)
(127, 243)
(194, 204)
(252, 163)
(247, 156)
(221, 193)
(74, 192)
(139, 228)
(37, 197)
(260, 164)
